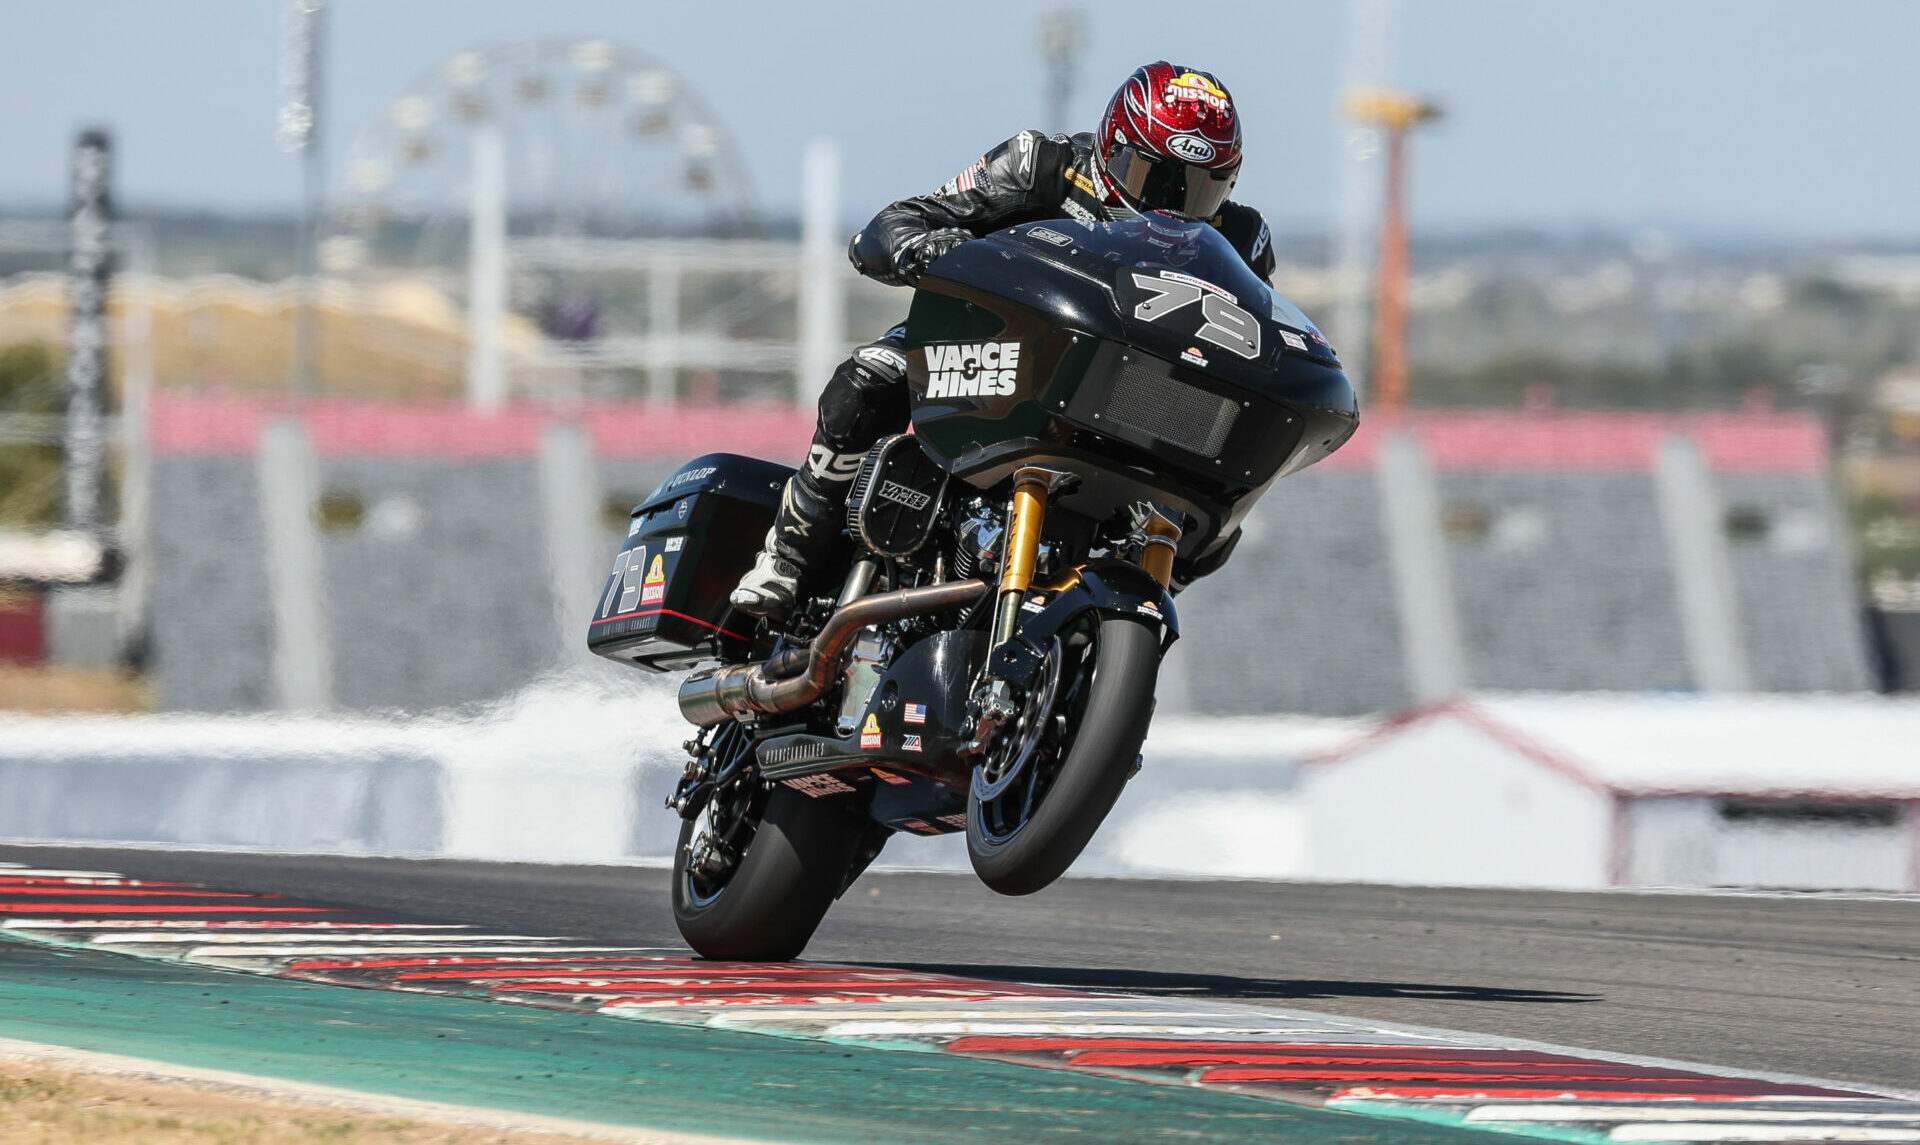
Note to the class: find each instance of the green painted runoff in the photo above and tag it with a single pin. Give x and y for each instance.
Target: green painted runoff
(618, 1071)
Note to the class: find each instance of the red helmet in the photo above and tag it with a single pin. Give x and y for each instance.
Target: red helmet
(1170, 141)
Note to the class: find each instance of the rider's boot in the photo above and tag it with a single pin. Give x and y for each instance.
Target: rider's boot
(805, 534)
(865, 400)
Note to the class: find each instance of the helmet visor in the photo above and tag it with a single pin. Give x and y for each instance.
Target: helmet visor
(1158, 183)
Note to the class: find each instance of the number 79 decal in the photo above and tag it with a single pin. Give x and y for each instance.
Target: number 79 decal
(1227, 326)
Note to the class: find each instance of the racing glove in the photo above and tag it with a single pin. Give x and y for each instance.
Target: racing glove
(914, 261)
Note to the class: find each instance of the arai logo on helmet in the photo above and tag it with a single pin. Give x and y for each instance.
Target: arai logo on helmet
(1192, 148)
(976, 371)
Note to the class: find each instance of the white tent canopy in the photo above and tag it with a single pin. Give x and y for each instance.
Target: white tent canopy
(1838, 746)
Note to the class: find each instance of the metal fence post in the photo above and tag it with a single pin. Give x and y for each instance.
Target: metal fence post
(1692, 519)
(1422, 572)
(822, 256)
(289, 477)
(569, 507)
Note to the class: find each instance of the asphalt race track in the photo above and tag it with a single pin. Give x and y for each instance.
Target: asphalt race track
(1821, 986)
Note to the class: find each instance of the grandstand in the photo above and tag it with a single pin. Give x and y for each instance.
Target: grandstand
(455, 552)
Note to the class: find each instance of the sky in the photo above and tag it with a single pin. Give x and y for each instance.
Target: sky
(1777, 118)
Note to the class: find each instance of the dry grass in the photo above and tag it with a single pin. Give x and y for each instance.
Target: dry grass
(45, 1105)
(46, 690)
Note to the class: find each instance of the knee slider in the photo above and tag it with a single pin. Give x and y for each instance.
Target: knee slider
(865, 400)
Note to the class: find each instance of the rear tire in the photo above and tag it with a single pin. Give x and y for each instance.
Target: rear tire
(1081, 788)
(768, 909)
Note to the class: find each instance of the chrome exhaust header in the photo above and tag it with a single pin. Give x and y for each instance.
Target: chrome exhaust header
(717, 695)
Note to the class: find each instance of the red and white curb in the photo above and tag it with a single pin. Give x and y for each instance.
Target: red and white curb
(1439, 1076)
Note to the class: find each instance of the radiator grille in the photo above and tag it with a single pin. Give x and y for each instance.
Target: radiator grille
(1170, 410)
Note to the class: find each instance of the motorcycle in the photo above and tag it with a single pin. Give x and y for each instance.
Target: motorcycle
(1095, 409)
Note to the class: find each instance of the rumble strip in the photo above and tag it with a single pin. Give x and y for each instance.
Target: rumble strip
(1316, 1059)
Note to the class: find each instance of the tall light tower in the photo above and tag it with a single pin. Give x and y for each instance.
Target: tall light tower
(1395, 114)
(1370, 47)
(302, 49)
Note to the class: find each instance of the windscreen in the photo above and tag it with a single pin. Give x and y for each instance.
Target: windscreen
(1166, 242)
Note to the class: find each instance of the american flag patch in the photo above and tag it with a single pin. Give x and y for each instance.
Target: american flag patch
(967, 180)
(916, 713)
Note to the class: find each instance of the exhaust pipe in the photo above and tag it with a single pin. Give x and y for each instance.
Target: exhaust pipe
(713, 697)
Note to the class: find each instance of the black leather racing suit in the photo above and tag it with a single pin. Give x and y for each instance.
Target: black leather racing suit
(1029, 178)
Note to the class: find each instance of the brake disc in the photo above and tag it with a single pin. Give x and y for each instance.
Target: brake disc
(1020, 741)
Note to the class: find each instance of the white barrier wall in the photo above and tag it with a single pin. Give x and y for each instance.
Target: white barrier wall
(550, 775)
(573, 770)
(1549, 791)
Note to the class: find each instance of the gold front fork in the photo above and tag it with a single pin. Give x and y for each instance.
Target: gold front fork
(1025, 519)
(1160, 539)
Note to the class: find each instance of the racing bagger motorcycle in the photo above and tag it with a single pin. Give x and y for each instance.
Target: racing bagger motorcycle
(1095, 408)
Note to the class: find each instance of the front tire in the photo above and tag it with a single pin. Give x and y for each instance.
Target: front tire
(1024, 832)
(772, 901)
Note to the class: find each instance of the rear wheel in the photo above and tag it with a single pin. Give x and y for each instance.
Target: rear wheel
(756, 870)
(1044, 788)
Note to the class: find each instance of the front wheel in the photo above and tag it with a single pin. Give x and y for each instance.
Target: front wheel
(1044, 788)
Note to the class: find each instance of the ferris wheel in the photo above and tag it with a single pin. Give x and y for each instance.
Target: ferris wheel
(601, 141)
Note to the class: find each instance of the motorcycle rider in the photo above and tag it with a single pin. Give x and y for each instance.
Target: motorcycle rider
(1170, 140)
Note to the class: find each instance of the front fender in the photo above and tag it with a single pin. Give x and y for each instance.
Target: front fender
(1109, 587)
(1118, 588)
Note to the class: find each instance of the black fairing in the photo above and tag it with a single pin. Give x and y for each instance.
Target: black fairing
(1151, 361)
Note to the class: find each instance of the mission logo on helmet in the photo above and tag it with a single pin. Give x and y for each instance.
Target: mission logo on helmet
(1195, 88)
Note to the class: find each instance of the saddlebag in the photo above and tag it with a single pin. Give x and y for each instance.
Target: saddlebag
(688, 544)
